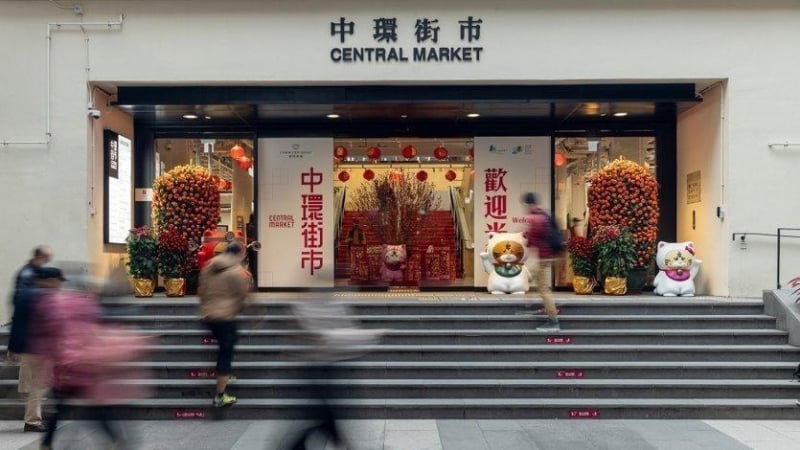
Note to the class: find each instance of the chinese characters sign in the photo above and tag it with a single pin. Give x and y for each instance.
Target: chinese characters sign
(295, 213)
(425, 32)
(505, 168)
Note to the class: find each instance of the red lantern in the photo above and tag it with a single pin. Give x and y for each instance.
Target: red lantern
(340, 151)
(396, 175)
(409, 152)
(373, 153)
(245, 162)
(344, 176)
(237, 152)
(450, 175)
(440, 152)
(560, 159)
(422, 175)
(369, 174)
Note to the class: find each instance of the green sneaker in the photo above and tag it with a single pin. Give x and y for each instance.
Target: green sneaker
(223, 399)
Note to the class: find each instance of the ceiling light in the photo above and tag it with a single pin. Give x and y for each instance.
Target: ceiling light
(473, 115)
(332, 116)
(208, 117)
(404, 116)
(190, 116)
(603, 115)
(620, 114)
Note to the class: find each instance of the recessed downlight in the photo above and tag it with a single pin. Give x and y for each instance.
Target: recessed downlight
(332, 116)
(190, 116)
(207, 117)
(404, 116)
(473, 115)
(620, 114)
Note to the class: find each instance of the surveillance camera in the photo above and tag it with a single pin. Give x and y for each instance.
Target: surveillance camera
(96, 113)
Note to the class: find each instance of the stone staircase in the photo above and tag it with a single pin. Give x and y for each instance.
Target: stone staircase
(480, 357)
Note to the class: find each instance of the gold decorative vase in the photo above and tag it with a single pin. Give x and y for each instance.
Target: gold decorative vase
(175, 287)
(615, 286)
(143, 287)
(582, 285)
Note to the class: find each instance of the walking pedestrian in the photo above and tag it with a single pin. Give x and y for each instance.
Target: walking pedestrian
(223, 289)
(540, 244)
(33, 374)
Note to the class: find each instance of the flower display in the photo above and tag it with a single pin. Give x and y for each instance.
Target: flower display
(173, 254)
(396, 204)
(616, 255)
(625, 193)
(582, 256)
(186, 201)
(141, 245)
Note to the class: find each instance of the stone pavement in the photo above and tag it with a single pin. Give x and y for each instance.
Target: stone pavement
(434, 434)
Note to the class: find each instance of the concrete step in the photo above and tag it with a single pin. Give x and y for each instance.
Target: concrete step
(480, 306)
(566, 353)
(459, 389)
(528, 336)
(453, 321)
(546, 370)
(434, 408)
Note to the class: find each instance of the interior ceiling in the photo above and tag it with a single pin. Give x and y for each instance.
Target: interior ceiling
(413, 111)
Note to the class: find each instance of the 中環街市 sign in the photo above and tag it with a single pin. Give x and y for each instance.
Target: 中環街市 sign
(385, 32)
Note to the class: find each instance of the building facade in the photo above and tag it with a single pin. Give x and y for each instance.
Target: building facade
(69, 65)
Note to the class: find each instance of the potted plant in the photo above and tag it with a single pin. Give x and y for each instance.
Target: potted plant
(616, 256)
(582, 260)
(186, 201)
(173, 252)
(625, 193)
(142, 264)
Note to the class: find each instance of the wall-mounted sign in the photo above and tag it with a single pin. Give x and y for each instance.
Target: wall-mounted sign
(425, 32)
(693, 187)
(118, 188)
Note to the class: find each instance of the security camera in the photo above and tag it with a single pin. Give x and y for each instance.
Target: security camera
(96, 113)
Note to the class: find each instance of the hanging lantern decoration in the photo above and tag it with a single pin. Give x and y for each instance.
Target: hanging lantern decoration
(369, 175)
(440, 152)
(560, 159)
(340, 152)
(237, 152)
(244, 162)
(409, 151)
(422, 175)
(450, 175)
(373, 153)
(344, 176)
(396, 175)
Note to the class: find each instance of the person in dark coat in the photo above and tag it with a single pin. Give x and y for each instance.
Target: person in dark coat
(32, 375)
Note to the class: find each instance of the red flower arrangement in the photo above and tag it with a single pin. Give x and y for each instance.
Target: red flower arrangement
(186, 201)
(173, 254)
(625, 193)
(582, 256)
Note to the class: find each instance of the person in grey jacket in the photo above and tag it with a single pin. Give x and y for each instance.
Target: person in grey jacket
(224, 284)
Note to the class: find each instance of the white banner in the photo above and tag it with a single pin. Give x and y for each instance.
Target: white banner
(295, 212)
(505, 168)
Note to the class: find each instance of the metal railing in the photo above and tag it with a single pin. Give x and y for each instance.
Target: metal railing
(778, 234)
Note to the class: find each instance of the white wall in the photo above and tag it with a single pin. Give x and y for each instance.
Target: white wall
(750, 44)
(701, 132)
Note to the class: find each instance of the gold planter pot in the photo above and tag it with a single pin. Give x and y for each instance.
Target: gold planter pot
(615, 286)
(582, 285)
(175, 287)
(143, 287)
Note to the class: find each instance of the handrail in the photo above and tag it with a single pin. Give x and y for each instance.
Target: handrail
(339, 202)
(778, 235)
(463, 224)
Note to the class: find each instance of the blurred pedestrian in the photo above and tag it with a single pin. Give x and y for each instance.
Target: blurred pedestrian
(83, 353)
(34, 380)
(223, 289)
(541, 244)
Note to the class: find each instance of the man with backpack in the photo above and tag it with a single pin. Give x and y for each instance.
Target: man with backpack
(545, 241)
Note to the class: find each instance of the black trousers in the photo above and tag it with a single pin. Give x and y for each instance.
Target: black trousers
(323, 412)
(226, 333)
(103, 415)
